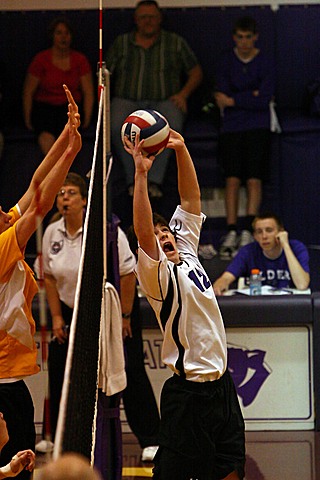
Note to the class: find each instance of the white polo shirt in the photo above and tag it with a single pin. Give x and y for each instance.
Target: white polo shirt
(61, 258)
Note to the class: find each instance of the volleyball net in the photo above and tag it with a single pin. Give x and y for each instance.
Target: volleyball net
(75, 428)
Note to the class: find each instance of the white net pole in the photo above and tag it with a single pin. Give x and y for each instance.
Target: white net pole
(107, 161)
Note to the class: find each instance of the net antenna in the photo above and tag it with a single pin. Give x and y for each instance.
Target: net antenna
(78, 406)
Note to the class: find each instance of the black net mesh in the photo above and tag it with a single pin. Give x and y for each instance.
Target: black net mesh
(81, 398)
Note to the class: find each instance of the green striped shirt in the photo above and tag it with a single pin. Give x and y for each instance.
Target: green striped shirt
(154, 73)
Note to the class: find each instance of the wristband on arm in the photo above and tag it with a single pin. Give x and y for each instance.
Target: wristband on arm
(7, 471)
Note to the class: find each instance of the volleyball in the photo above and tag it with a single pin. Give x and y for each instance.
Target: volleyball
(153, 128)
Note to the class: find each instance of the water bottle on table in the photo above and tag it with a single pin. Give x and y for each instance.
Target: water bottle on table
(255, 282)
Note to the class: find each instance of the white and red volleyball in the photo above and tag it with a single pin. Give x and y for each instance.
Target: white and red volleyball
(153, 128)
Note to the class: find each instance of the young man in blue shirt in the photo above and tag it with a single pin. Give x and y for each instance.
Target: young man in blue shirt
(283, 263)
(244, 90)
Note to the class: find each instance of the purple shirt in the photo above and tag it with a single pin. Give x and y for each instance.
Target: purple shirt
(274, 272)
(238, 79)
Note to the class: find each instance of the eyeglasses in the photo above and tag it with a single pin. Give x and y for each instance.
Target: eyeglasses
(70, 192)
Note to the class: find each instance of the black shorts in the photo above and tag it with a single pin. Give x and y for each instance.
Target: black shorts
(49, 118)
(201, 431)
(246, 154)
(18, 411)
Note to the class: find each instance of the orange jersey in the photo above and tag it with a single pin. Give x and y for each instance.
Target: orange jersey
(18, 350)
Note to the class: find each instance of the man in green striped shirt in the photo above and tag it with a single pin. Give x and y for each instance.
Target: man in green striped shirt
(151, 68)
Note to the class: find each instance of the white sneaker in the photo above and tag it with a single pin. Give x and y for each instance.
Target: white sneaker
(207, 251)
(149, 453)
(245, 238)
(154, 190)
(44, 446)
(229, 245)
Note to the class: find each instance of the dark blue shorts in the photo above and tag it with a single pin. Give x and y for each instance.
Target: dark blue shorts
(246, 154)
(201, 431)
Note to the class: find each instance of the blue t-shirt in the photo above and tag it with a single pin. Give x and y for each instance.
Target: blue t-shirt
(238, 79)
(274, 272)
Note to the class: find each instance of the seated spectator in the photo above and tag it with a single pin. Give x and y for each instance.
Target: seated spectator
(282, 262)
(147, 67)
(44, 102)
(22, 460)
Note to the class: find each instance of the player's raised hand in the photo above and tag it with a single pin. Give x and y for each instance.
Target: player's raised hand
(142, 162)
(73, 110)
(70, 98)
(75, 141)
(176, 141)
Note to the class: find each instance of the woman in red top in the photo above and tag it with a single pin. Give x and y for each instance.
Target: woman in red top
(43, 97)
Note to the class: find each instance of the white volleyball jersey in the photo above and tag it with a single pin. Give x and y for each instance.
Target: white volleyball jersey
(182, 297)
(127, 260)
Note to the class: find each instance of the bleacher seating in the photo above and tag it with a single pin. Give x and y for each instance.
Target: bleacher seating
(290, 34)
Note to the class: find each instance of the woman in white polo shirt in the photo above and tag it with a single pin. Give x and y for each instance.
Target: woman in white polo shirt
(61, 250)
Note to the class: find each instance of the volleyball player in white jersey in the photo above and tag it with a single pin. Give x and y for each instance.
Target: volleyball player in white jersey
(202, 429)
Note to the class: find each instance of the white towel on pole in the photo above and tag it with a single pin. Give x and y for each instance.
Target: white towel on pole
(112, 376)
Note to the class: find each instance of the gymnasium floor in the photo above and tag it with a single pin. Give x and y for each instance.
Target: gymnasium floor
(291, 455)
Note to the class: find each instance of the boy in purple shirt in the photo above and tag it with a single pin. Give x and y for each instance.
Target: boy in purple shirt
(283, 263)
(244, 90)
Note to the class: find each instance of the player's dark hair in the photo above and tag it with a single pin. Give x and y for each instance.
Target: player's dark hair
(267, 215)
(245, 24)
(163, 222)
(157, 219)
